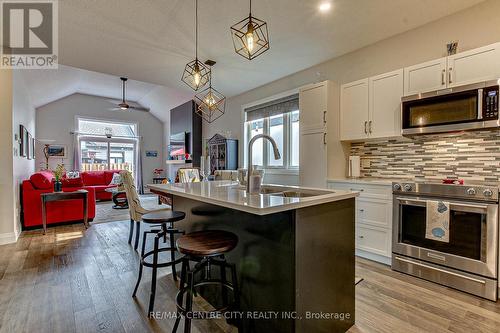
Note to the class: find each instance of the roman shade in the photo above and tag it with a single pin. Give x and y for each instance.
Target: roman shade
(273, 108)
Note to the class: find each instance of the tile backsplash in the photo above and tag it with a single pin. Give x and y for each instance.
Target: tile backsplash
(472, 156)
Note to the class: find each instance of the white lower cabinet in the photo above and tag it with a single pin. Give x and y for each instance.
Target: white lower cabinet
(373, 217)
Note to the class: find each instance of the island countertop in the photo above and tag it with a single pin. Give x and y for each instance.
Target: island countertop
(232, 195)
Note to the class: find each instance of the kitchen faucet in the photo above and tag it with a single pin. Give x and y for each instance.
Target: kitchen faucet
(277, 154)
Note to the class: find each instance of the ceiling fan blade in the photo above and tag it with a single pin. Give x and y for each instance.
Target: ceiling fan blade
(138, 108)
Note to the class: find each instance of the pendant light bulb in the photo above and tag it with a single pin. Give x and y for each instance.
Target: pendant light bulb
(197, 78)
(250, 37)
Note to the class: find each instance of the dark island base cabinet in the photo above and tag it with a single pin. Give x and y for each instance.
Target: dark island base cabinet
(298, 263)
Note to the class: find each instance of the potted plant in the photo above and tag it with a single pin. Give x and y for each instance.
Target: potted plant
(58, 174)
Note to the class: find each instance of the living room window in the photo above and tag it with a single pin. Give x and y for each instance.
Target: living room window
(279, 119)
(107, 145)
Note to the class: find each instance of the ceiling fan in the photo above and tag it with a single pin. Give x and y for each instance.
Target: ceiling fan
(123, 105)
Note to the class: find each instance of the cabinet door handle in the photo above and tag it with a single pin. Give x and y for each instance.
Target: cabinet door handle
(324, 138)
(449, 75)
(370, 126)
(361, 210)
(324, 117)
(361, 236)
(366, 131)
(443, 77)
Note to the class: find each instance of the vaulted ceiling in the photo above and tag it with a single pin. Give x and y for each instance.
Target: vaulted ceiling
(151, 40)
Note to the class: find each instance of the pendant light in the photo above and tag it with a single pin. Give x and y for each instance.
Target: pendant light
(196, 74)
(250, 36)
(211, 104)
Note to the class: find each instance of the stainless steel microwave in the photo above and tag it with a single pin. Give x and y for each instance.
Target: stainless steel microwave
(461, 108)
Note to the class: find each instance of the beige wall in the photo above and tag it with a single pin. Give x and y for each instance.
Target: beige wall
(473, 27)
(7, 217)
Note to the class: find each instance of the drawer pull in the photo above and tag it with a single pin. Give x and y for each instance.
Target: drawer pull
(361, 210)
(361, 236)
(355, 189)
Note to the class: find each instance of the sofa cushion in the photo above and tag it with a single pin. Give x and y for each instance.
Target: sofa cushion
(72, 182)
(101, 188)
(92, 178)
(42, 180)
(108, 176)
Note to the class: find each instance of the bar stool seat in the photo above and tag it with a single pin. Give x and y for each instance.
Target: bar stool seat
(207, 243)
(207, 249)
(165, 220)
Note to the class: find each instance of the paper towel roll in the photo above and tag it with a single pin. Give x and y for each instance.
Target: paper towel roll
(354, 166)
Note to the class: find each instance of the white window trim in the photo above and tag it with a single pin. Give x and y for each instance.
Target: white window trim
(285, 170)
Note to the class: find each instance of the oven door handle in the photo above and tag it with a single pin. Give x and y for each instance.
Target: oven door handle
(419, 202)
(440, 270)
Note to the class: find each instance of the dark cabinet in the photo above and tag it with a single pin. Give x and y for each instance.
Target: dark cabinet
(185, 122)
(223, 153)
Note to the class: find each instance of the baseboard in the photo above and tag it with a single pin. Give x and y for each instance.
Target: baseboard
(374, 257)
(8, 238)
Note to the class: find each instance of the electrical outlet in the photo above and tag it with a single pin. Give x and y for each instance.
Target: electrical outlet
(365, 163)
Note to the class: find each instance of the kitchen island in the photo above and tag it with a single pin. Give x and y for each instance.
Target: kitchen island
(295, 256)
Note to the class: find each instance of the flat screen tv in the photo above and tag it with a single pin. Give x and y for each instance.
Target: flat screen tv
(179, 146)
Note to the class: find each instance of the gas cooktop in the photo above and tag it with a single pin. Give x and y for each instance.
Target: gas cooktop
(457, 190)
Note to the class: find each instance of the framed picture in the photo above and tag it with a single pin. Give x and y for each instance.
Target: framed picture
(32, 148)
(57, 151)
(23, 141)
(29, 142)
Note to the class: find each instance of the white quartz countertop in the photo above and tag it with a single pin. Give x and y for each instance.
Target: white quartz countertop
(367, 180)
(232, 195)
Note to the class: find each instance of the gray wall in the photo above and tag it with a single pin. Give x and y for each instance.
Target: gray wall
(56, 120)
(7, 205)
(23, 113)
(473, 27)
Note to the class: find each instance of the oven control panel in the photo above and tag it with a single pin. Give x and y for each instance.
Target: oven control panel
(444, 191)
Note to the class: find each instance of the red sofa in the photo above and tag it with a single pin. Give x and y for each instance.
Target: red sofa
(63, 211)
(99, 180)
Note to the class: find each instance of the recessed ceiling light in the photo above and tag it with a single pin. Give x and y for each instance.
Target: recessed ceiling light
(325, 6)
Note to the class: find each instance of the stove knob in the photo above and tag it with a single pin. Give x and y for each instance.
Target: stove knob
(471, 191)
(407, 187)
(487, 192)
(396, 187)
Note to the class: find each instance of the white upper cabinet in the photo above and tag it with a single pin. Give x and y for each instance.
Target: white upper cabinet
(467, 67)
(428, 76)
(370, 108)
(385, 92)
(313, 107)
(354, 110)
(473, 66)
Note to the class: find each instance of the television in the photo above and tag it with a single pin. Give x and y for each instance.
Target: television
(179, 146)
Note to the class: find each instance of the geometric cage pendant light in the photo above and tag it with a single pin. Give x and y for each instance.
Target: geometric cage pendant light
(250, 36)
(196, 74)
(211, 104)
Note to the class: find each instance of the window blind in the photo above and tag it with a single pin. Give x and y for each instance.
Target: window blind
(273, 108)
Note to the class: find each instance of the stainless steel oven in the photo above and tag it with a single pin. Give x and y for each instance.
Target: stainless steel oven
(469, 259)
(472, 106)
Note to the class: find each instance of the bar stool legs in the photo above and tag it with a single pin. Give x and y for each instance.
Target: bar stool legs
(154, 265)
(188, 286)
(131, 232)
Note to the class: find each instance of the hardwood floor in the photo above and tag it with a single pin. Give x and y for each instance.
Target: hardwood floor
(72, 280)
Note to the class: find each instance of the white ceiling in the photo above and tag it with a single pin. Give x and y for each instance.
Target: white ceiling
(151, 40)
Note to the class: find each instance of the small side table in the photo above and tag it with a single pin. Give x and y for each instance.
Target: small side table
(62, 196)
(119, 198)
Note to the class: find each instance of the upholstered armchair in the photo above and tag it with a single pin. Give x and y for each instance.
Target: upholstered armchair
(135, 208)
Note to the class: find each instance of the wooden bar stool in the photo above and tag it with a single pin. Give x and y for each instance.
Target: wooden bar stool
(165, 219)
(207, 248)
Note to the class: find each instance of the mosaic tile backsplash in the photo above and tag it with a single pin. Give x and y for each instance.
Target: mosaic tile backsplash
(473, 156)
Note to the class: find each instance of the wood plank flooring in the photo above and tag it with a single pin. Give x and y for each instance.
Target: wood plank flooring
(72, 280)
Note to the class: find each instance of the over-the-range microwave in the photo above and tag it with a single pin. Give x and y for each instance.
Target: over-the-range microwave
(468, 107)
